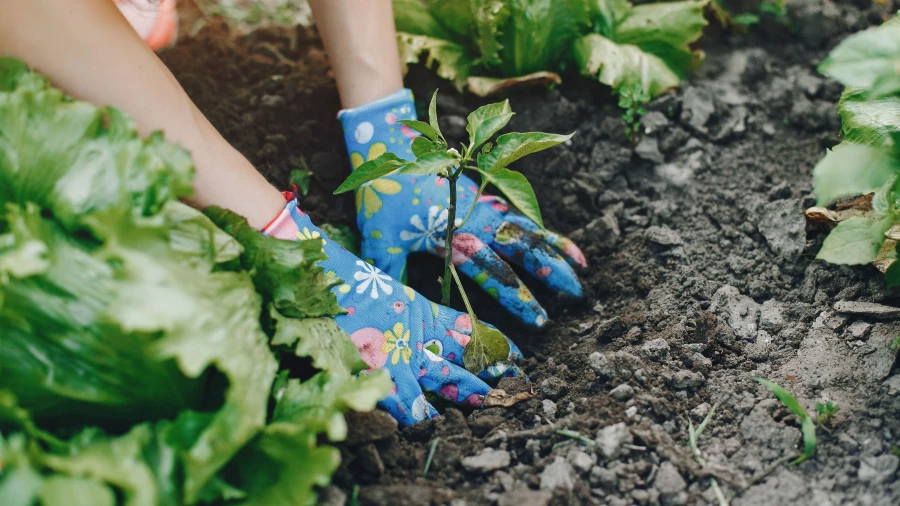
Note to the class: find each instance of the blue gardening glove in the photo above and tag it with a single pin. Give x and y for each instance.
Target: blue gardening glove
(417, 341)
(403, 214)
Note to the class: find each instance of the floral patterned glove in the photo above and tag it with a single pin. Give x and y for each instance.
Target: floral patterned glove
(420, 343)
(402, 214)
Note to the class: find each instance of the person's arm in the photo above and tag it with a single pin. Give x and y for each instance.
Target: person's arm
(87, 48)
(361, 44)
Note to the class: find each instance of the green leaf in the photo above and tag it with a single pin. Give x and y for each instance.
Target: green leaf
(607, 14)
(513, 146)
(329, 347)
(808, 429)
(11, 71)
(486, 121)
(855, 241)
(485, 86)
(852, 169)
(870, 122)
(196, 240)
(518, 190)
(865, 57)
(746, 19)
(455, 16)
(892, 275)
(784, 396)
(489, 17)
(452, 61)
(618, 65)
(414, 17)
(885, 86)
(284, 272)
(666, 30)
(486, 347)
(432, 116)
(422, 146)
(370, 171)
(421, 127)
(436, 162)
(537, 33)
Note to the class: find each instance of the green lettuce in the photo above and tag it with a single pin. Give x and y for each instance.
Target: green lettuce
(141, 339)
(867, 161)
(489, 45)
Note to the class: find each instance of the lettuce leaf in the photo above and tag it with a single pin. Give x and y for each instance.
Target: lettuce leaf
(135, 364)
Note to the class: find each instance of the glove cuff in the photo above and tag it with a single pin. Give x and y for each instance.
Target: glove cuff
(373, 129)
(284, 226)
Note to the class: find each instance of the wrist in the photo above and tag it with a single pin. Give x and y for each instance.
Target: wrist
(373, 129)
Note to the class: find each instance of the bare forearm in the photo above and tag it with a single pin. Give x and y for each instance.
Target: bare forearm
(361, 44)
(88, 49)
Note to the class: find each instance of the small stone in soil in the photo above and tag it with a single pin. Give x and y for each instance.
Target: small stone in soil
(581, 461)
(653, 121)
(783, 225)
(648, 149)
(602, 365)
(488, 460)
(697, 107)
(656, 349)
(878, 470)
(557, 474)
(612, 438)
(523, 496)
(700, 411)
(859, 330)
(663, 236)
(872, 309)
(687, 379)
(549, 408)
(622, 392)
(553, 388)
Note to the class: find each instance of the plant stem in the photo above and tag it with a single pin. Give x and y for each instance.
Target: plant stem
(448, 242)
(475, 203)
(462, 294)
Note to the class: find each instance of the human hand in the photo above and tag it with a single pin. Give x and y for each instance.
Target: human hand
(402, 214)
(418, 342)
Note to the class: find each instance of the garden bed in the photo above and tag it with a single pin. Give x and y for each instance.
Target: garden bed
(702, 275)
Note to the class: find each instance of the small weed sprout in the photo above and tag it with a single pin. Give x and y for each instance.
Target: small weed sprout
(490, 160)
(693, 437)
(826, 411)
(632, 100)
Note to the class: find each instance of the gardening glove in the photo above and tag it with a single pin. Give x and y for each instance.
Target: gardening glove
(401, 214)
(418, 342)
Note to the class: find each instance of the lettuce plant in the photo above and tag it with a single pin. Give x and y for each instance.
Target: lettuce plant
(488, 45)
(867, 162)
(141, 338)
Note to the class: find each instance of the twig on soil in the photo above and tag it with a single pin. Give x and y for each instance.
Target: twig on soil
(693, 435)
(577, 436)
(431, 455)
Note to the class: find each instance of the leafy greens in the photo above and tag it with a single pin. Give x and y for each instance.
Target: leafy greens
(487, 45)
(140, 341)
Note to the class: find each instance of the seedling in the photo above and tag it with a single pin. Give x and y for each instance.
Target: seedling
(632, 100)
(490, 160)
(693, 437)
(826, 411)
(807, 423)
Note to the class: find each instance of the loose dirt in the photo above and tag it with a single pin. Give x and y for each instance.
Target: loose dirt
(702, 276)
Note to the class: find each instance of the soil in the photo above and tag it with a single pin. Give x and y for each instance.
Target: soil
(703, 275)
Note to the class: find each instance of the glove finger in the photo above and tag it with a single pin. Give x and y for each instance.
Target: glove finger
(531, 250)
(451, 381)
(473, 258)
(406, 402)
(561, 244)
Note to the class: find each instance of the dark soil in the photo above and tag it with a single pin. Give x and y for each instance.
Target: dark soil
(702, 276)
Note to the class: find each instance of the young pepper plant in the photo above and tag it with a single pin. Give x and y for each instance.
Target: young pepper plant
(491, 161)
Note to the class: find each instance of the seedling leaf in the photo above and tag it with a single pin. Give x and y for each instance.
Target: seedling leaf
(370, 171)
(421, 127)
(860, 59)
(486, 121)
(513, 146)
(422, 146)
(518, 190)
(807, 424)
(870, 122)
(486, 347)
(432, 115)
(435, 162)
